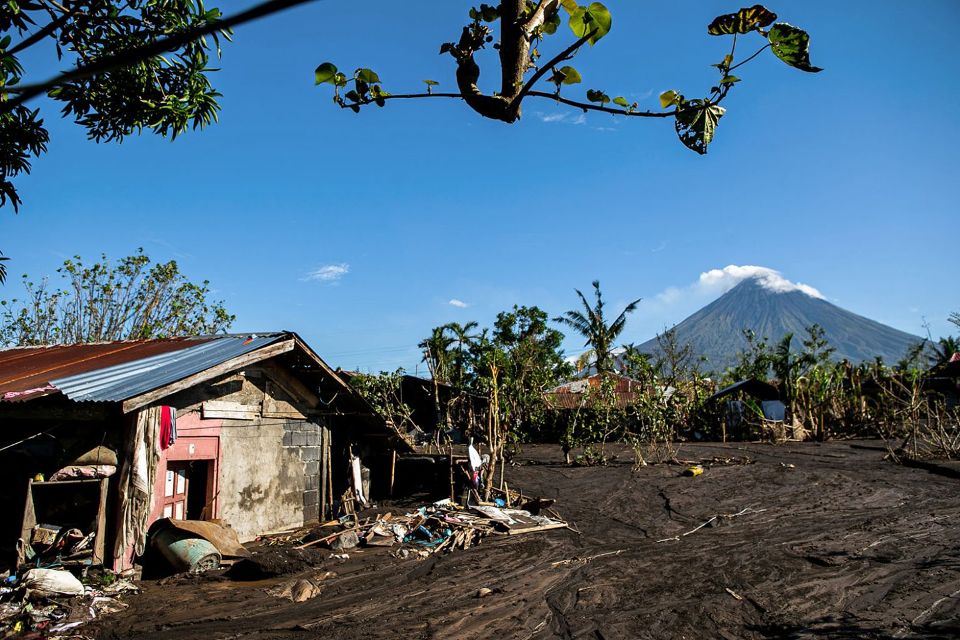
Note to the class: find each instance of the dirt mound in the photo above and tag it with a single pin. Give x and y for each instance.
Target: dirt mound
(271, 562)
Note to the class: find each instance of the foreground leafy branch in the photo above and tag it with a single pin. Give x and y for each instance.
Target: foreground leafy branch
(525, 25)
(132, 65)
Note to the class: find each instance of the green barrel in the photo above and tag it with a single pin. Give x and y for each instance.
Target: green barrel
(194, 555)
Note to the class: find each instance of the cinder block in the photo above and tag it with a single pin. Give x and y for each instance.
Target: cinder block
(311, 497)
(311, 512)
(309, 454)
(312, 468)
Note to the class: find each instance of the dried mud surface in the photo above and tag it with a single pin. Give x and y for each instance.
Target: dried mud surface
(840, 545)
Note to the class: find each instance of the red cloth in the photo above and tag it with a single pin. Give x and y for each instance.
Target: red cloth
(166, 427)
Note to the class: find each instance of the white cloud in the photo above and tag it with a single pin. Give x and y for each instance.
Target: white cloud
(718, 281)
(566, 117)
(459, 304)
(722, 280)
(328, 273)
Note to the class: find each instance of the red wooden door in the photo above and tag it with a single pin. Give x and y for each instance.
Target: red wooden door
(174, 499)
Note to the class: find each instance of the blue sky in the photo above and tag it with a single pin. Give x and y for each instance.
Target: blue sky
(844, 180)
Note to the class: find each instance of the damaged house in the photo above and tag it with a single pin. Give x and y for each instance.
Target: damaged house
(254, 430)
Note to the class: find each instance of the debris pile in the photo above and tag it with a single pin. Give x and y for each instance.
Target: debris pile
(54, 602)
(441, 526)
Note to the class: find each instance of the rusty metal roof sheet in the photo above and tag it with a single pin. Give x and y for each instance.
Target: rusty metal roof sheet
(570, 395)
(116, 371)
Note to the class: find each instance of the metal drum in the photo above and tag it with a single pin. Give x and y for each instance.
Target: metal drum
(194, 555)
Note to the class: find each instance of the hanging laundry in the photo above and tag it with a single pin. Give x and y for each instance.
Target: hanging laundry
(168, 427)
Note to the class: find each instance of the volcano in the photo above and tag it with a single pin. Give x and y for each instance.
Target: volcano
(716, 330)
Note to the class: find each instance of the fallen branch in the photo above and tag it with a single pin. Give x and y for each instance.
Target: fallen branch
(742, 512)
(559, 563)
(733, 593)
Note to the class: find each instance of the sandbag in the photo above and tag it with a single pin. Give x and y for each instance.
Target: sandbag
(45, 583)
(97, 455)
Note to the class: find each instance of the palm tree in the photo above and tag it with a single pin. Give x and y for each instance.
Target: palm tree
(436, 353)
(591, 324)
(943, 350)
(460, 336)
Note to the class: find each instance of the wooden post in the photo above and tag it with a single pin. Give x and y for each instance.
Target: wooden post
(323, 473)
(453, 495)
(393, 468)
(328, 450)
(100, 541)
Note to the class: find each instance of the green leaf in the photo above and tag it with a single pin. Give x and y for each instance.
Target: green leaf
(594, 18)
(743, 21)
(671, 97)
(792, 45)
(324, 73)
(431, 83)
(569, 5)
(486, 13)
(570, 75)
(620, 100)
(367, 75)
(551, 24)
(729, 79)
(696, 124)
(597, 96)
(340, 80)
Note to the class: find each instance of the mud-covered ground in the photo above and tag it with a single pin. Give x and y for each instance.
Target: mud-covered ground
(833, 542)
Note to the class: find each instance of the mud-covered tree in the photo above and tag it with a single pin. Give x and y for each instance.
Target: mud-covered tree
(520, 30)
(532, 363)
(130, 299)
(753, 360)
(383, 392)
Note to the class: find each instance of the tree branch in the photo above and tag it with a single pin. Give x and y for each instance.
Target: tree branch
(557, 59)
(145, 52)
(759, 51)
(401, 96)
(593, 107)
(539, 15)
(40, 34)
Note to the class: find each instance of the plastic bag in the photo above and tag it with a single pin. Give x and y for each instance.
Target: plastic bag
(51, 582)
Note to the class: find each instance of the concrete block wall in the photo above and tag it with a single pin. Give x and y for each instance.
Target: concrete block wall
(304, 438)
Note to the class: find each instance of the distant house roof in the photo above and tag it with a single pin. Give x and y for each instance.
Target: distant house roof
(569, 395)
(948, 369)
(751, 386)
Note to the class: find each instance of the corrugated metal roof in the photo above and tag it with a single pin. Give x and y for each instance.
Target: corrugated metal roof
(123, 381)
(115, 371)
(623, 384)
(29, 369)
(752, 386)
(571, 394)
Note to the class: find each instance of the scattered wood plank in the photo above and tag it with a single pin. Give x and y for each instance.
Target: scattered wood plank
(229, 410)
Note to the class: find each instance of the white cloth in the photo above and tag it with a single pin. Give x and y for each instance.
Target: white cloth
(137, 475)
